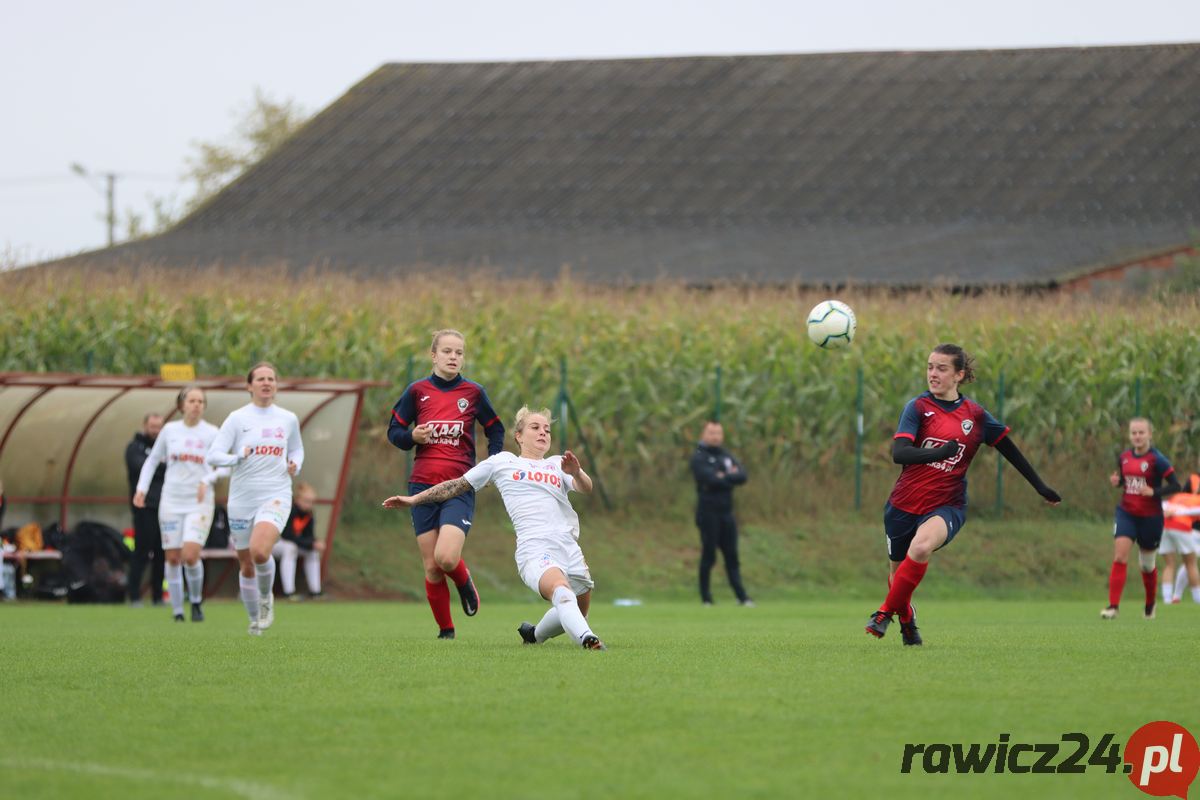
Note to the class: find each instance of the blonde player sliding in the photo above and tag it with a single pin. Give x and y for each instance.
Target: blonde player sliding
(261, 441)
(534, 489)
(185, 512)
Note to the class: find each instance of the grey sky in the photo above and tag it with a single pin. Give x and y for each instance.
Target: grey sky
(127, 86)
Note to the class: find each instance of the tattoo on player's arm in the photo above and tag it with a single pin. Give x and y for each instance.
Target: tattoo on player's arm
(445, 490)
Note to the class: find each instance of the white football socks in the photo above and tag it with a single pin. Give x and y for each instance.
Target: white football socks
(1181, 580)
(549, 627)
(265, 574)
(1168, 591)
(569, 615)
(248, 589)
(174, 573)
(1196, 594)
(195, 580)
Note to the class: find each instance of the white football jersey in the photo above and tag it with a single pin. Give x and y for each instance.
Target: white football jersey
(273, 436)
(184, 451)
(534, 494)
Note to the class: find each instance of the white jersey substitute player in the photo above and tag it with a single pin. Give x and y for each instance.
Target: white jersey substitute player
(185, 510)
(534, 489)
(261, 442)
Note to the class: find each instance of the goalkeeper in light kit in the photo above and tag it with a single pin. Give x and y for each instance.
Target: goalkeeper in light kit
(534, 489)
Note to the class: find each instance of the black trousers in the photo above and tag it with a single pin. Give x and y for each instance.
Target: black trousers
(147, 544)
(718, 530)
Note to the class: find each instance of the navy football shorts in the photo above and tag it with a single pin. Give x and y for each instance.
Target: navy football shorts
(1146, 531)
(901, 527)
(457, 511)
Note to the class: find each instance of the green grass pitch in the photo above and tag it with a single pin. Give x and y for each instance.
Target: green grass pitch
(358, 700)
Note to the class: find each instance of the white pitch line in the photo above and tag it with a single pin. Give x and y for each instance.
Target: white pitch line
(247, 789)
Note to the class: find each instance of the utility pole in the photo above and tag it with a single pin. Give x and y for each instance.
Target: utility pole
(110, 196)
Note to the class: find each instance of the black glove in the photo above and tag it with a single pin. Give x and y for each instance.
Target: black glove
(948, 450)
(1049, 494)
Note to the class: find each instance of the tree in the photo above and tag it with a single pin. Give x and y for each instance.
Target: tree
(260, 128)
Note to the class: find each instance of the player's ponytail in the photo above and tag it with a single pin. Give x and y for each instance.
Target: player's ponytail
(963, 362)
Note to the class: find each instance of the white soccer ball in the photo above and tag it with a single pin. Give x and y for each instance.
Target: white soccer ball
(831, 324)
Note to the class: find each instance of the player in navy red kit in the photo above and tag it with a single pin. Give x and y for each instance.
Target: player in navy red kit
(939, 433)
(437, 415)
(1140, 514)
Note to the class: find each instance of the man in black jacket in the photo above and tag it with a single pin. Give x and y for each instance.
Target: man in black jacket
(716, 472)
(147, 538)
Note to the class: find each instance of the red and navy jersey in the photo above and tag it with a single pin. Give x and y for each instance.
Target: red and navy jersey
(451, 407)
(1148, 469)
(930, 422)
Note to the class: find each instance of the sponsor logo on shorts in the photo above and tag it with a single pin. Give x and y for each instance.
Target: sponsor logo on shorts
(544, 560)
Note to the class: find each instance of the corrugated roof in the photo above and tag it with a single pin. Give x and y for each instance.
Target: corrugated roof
(980, 167)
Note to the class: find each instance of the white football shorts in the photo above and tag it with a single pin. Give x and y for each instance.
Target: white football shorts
(242, 519)
(1182, 542)
(547, 555)
(179, 528)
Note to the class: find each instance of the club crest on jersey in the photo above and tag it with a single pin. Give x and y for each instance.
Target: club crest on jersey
(443, 432)
(968, 425)
(462, 404)
(1145, 466)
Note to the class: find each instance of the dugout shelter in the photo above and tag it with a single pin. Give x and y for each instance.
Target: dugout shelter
(63, 439)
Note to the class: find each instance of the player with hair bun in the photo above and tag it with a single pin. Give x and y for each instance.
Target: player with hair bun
(437, 416)
(261, 442)
(939, 433)
(534, 489)
(1145, 477)
(185, 511)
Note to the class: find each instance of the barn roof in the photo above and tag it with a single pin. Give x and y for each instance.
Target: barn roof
(968, 167)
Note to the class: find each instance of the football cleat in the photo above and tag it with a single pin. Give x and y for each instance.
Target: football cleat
(266, 612)
(469, 597)
(197, 613)
(877, 625)
(179, 617)
(747, 603)
(1150, 609)
(527, 632)
(1109, 613)
(909, 633)
(254, 629)
(592, 642)
(446, 633)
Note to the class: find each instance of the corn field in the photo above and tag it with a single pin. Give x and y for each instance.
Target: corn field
(641, 366)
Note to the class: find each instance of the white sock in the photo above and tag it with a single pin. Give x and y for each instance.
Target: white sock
(1196, 594)
(195, 580)
(265, 573)
(1181, 580)
(549, 627)
(248, 588)
(569, 614)
(174, 573)
(1168, 590)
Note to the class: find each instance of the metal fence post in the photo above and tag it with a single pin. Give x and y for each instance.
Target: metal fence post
(717, 396)
(999, 459)
(858, 443)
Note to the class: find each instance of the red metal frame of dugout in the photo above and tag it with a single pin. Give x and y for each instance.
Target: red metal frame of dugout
(47, 381)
